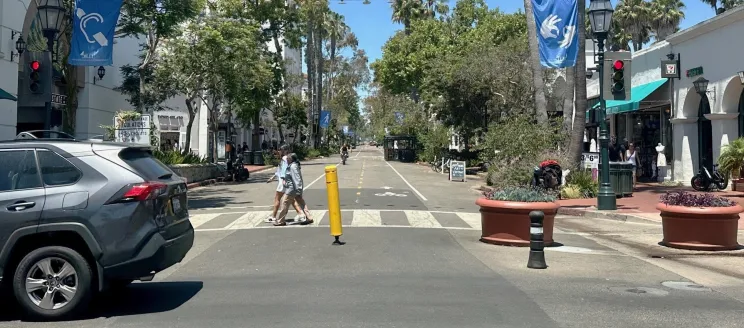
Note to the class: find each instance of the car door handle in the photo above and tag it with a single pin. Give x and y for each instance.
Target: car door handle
(20, 206)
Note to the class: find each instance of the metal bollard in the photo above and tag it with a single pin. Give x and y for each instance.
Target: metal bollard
(537, 244)
(334, 206)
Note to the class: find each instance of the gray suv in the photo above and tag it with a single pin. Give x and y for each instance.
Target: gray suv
(78, 217)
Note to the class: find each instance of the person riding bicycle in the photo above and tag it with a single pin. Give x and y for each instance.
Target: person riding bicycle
(345, 149)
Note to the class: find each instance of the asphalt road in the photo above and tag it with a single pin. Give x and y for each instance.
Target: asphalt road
(412, 259)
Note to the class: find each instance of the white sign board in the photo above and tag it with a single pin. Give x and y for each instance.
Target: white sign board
(133, 131)
(590, 161)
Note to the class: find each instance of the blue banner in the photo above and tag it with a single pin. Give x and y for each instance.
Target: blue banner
(325, 118)
(557, 37)
(94, 24)
(346, 129)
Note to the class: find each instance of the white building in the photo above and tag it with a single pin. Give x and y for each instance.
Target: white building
(97, 100)
(692, 126)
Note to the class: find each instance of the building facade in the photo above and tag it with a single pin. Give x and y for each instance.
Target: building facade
(692, 127)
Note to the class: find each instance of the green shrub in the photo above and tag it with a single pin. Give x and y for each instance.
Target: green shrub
(571, 192)
(301, 150)
(173, 157)
(270, 159)
(313, 153)
(517, 174)
(520, 194)
(582, 179)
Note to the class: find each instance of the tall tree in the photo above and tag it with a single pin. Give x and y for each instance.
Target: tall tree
(541, 103)
(633, 16)
(580, 101)
(155, 21)
(665, 16)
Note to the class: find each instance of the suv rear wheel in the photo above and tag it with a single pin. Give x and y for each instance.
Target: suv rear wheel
(52, 282)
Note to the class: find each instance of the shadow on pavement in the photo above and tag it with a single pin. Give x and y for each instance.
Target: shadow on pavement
(216, 198)
(137, 299)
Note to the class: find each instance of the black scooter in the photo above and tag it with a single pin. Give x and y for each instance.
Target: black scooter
(704, 180)
(236, 170)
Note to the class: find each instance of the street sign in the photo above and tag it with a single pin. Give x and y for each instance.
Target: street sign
(133, 130)
(669, 69)
(59, 99)
(457, 171)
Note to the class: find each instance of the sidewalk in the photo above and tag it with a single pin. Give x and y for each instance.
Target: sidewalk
(641, 206)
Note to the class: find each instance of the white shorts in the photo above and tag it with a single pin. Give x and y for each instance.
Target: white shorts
(280, 187)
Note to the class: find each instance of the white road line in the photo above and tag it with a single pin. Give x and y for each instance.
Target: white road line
(326, 227)
(249, 220)
(318, 178)
(366, 218)
(199, 219)
(472, 219)
(317, 216)
(422, 219)
(408, 183)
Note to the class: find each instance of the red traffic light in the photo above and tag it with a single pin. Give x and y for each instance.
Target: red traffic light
(618, 65)
(35, 65)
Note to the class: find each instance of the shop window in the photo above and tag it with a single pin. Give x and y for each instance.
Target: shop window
(163, 123)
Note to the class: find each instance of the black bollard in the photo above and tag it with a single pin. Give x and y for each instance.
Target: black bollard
(537, 243)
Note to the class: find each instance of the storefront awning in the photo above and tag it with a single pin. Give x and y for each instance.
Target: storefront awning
(637, 94)
(5, 95)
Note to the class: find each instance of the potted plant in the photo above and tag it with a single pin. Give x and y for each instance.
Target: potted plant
(505, 215)
(699, 221)
(731, 161)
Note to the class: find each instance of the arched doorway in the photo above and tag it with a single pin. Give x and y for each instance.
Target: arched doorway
(705, 134)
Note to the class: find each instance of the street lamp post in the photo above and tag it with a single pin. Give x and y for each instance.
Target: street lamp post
(52, 16)
(600, 17)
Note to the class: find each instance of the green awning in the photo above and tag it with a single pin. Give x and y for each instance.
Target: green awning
(5, 95)
(637, 94)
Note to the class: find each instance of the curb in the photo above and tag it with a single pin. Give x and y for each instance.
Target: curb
(608, 215)
(203, 183)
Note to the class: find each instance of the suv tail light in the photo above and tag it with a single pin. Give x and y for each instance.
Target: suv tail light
(144, 191)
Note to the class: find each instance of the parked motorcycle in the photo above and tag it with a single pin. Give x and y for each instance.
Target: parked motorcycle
(704, 180)
(236, 170)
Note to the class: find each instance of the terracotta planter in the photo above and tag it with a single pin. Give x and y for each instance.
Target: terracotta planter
(508, 223)
(704, 229)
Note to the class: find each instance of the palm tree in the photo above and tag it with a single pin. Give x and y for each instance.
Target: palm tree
(665, 16)
(541, 103)
(405, 11)
(580, 102)
(337, 31)
(633, 17)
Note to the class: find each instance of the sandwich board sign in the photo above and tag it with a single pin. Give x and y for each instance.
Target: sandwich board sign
(133, 130)
(457, 171)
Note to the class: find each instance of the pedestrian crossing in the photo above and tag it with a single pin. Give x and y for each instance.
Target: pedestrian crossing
(349, 218)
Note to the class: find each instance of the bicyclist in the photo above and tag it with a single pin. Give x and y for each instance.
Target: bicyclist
(345, 149)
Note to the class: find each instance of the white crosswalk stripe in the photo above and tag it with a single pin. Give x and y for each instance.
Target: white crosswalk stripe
(359, 218)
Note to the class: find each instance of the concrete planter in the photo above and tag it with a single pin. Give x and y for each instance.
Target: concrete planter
(703, 229)
(508, 223)
(196, 172)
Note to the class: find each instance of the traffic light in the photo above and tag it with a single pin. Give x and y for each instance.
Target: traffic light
(34, 83)
(616, 76)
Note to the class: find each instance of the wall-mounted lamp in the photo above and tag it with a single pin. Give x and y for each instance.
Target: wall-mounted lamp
(701, 87)
(101, 73)
(20, 45)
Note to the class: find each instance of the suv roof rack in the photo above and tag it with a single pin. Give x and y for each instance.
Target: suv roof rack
(42, 134)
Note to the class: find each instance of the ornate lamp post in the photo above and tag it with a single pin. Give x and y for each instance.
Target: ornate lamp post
(101, 72)
(51, 17)
(600, 17)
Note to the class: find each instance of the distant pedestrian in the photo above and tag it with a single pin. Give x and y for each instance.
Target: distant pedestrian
(293, 192)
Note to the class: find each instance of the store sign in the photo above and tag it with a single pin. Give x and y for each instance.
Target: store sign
(59, 99)
(457, 171)
(692, 72)
(669, 69)
(133, 131)
(590, 161)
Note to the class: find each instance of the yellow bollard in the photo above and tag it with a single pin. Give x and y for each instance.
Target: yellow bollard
(334, 207)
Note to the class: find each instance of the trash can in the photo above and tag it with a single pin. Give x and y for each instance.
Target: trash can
(248, 157)
(258, 157)
(615, 173)
(626, 179)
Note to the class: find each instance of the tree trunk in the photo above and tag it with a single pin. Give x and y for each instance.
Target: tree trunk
(141, 102)
(255, 136)
(318, 76)
(332, 66)
(568, 100)
(309, 54)
(192, 116)
(579, 119)
(541, 104)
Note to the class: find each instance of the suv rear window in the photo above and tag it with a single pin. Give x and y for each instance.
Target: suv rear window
(145, 164)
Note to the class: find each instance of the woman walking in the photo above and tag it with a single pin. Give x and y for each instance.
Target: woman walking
(281, 171)
(293, 187)
(633, 160)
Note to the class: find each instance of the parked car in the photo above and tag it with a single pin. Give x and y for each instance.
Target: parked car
(82, 216)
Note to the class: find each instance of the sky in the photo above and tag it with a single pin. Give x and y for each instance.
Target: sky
(373, 26)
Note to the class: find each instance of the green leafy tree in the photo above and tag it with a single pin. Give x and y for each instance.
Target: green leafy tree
(153, 21)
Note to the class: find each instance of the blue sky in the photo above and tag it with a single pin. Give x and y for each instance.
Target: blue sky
(373, 27)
